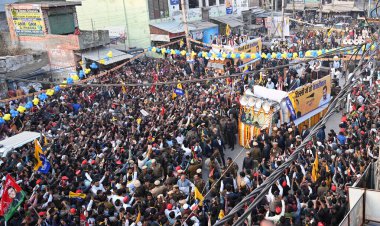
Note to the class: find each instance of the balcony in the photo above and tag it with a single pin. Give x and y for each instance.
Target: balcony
(90, 39)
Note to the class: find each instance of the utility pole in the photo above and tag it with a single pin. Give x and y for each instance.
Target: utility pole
(283, 18)
(320, 10)
(276, 5)
(294, 10)
(185, 26)
(272, 26)
(126, 30)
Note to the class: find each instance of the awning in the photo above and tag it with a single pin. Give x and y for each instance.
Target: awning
(200, 25)
(341, 8)
(101, 53)
(171, 26)
(232, 21)
(310, 114)
(297, 7)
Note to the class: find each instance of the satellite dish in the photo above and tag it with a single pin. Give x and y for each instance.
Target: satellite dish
(251, 101)
(243, 100)
(248, 92)
(258, 104)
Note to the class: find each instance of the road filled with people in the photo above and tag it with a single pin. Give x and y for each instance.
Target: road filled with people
(133, 155)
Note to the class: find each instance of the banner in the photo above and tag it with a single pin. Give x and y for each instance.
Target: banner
(73, 195)
(311, 96)
(11, 199)
(28, 22)
(229, 8)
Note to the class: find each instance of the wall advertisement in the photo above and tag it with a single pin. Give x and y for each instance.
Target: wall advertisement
(28, 22)
(229, 7)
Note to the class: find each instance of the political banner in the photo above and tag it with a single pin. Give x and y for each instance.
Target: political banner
(229, 8)
(11, 199)
(28, 22)
(309, 97)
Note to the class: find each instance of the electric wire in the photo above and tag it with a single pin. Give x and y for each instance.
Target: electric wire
(264, 188)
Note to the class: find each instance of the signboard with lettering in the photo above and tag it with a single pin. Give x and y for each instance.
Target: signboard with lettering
(309, 97)
(28, 22)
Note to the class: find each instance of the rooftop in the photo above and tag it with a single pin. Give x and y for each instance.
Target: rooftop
(50, 4)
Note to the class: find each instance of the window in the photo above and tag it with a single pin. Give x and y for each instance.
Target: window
(193, 4)
(211, 2)
(158, 9)
(222, 2)
(61, 24)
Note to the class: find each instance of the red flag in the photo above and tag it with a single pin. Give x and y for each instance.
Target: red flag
(155, 77)
(11, 198)
(153, 89)
(162, 111)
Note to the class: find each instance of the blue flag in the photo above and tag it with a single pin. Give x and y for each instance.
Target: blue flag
(179, 92)
(289, 104)
(45, 165)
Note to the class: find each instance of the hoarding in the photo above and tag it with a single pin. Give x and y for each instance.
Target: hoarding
(309, 97)
(229, 8)
(28, 22)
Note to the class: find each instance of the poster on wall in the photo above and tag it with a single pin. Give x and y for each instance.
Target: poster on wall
(174, 2)
(28, 22)
(229, 8)
(309, 97)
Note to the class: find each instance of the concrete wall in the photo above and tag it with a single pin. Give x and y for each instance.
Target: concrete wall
(109, 15)
(13, 63)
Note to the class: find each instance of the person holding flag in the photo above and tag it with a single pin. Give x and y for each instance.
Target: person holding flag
(314, 170)
(42, 165)
(11, 198)
(228, 30)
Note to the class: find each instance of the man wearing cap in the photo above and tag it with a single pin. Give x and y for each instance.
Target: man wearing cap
(157, 170)
(158, 189)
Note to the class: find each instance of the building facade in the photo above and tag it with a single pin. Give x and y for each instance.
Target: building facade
(51, 27)
(126, 20)
(129, 21)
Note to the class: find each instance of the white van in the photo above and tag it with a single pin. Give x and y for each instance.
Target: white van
(17, 141)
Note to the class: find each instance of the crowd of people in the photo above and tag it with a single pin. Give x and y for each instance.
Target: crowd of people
(137, 155)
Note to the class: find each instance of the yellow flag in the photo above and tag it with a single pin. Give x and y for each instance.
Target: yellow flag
(245, 68)
(45, 140)
(37, 152)
(198, 195)
(77, 195)
(221, 214)
(138, 218)
(179, 86)
(181, 43)
(329, 32)
(228, 30)
(314, 170)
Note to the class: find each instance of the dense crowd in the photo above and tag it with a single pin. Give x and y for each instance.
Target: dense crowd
(139, 154)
